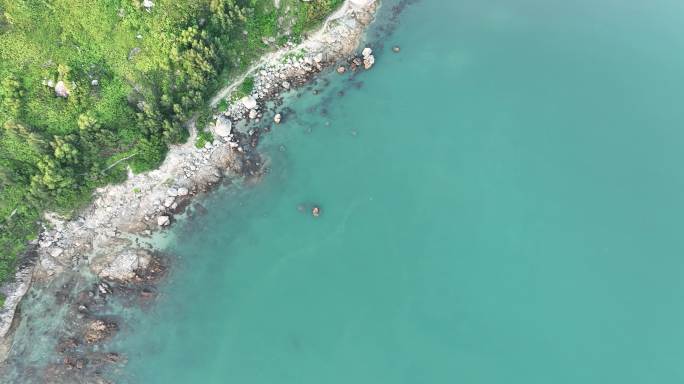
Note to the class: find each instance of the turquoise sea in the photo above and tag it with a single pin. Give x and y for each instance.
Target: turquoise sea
(502, 202)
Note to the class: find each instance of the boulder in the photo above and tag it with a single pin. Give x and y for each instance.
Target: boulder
(368, 61)
(277, 118)
(249, 102)
(223, 126)
(168, 202)
(366, 52)
(183, 191)
(61, 89)
(121, 266)
(163, 221)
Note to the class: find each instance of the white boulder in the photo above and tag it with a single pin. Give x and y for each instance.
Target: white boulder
(163, 221)
(61, 89)
(122, 267)
(223, 126)
(249, 102)
(168, 202)
(368, 61)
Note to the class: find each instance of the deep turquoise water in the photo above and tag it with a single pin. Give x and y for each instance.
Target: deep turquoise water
(502, 203)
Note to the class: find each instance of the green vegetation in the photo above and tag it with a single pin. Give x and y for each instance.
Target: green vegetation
(245, 88)
(203, 138)
(293, 55)
(133, 77)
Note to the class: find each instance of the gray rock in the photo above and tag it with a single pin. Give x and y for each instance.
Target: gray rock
(163, 221)
(56, 252)
(249, 102)
(61, 89)
(121, 267)
(223, 126)
(368, 61)
(168, 202)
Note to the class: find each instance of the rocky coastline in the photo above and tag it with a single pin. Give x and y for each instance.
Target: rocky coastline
(109, 239)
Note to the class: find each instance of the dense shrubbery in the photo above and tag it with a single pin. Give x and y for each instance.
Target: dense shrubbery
(245, 88)
(203, 137)
(133, 77)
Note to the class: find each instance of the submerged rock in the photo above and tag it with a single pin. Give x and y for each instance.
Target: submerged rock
(99, 330)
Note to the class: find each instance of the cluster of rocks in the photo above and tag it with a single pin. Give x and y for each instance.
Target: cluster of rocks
(365, 60)
(81, 348)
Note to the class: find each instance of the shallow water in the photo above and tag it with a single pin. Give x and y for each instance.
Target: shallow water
(502, 203)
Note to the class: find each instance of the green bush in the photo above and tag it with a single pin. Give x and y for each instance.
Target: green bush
(246, 88)
(203, 138)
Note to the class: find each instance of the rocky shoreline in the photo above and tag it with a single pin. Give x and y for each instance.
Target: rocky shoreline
(108, 239)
